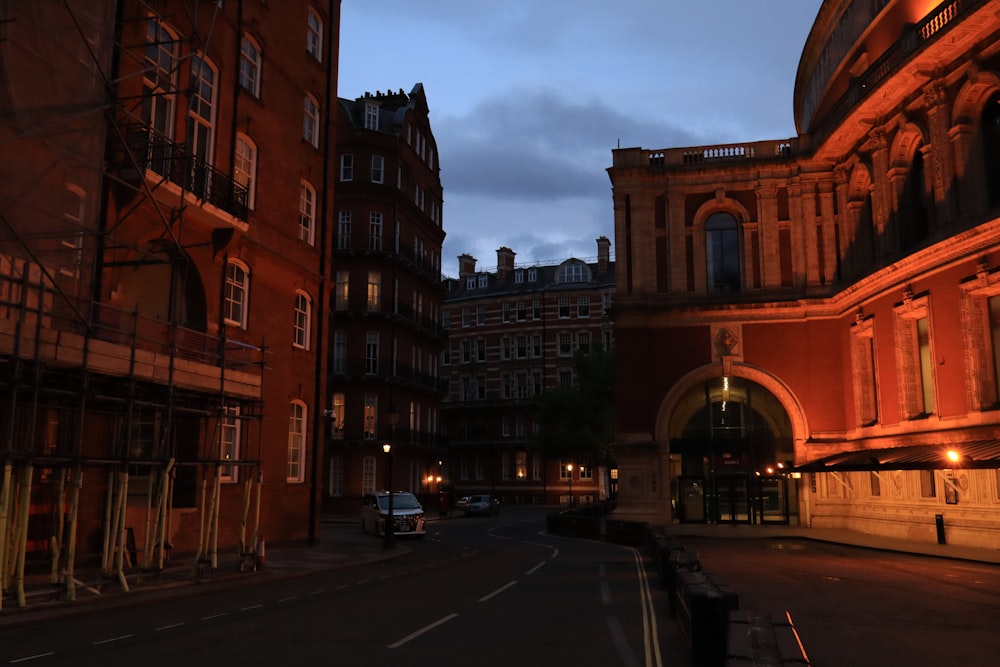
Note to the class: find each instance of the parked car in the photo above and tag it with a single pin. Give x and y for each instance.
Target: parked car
(407, 513)
(483, 505)
(462, 503)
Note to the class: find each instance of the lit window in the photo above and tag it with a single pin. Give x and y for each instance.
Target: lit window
(237, 288)
(229, 442)
(314, 35)
(296, 442)
(303, 310)
(307, 214)
(374, 290)
(370, 415)
(250, 66)
(342, 290)
(914, 357)
(245, 167)
(337, 416)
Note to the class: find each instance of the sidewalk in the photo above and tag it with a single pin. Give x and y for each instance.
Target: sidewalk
(342, 544)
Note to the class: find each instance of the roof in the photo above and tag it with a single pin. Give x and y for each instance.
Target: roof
(977, 454)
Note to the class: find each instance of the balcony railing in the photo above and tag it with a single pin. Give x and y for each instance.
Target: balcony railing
(155, 152)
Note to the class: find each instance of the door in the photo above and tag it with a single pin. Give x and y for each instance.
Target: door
(691, 499)
(773, 500)
(733, 499)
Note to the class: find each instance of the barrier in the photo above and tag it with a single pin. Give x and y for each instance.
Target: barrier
(756, 640)
(703, 606)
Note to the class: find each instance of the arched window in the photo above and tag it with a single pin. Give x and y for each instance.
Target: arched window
(310, 121)
(296, 442)
(250, 65)
(201, 115)
(314, 35)
(574, 271)
(990, 123)
(303, 314)
(722, 247)
(234, 308)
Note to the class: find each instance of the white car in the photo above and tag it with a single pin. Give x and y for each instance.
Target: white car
(407, 513)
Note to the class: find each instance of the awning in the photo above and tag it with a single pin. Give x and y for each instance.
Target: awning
(978, 454)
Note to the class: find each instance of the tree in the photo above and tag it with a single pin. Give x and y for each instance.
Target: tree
(578, 421)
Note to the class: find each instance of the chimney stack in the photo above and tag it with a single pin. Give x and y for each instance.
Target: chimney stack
(466, 265)
(603, 253)
(505, 262)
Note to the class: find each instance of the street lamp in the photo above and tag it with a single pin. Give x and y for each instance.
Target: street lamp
(389, 533)
(569, 469)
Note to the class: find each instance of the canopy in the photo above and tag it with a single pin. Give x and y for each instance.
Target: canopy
(978, 454)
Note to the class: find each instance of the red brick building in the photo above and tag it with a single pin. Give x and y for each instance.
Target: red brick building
(806, 327)
(163, 278)
(512, 334)
(385, 332)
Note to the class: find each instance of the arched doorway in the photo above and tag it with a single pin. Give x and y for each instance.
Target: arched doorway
(731, 445)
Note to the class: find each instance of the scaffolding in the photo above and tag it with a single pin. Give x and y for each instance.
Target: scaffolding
(126, 412)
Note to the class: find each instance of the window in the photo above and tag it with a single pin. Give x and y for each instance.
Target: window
(863, 363)
(521, 464)
(565, 345)
(296, 442)
(340, 353)
(159, 84)
(310, 121)
(342, 290)
(250, 66)
(505, 312)
(565, 472)
(481, 349)
(574, 272)
(368, 474)
(583, 306)
(237, 289)
(371, 353)
(914, 357)
(307, 213)
(337, 416)
(536, 309)
(505, 348)
(532, 275)
(536, 345)
(480, 314)
(343, 230)
(466, 317)
(484, 280)
(371, 413)
(583, 341)
(375, 231)
(303, 310)
(374, 290)
(874, 483)
(378, 168)
(522, 311)
(245, 166)
(371, 116)
(522, 347)
(470, 282)
(200, 135)
(722, 247)
(314, 35)
(335, 485)
(347, 167)
(518, 276)
(928, 486)
(563, 307)
(229, 442)
(74, 209)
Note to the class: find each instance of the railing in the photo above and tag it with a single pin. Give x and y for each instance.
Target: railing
(155, 152)
(704, 155)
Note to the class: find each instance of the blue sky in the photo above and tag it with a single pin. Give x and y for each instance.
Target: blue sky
(529, 97)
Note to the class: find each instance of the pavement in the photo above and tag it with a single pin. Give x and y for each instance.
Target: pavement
(342, 544)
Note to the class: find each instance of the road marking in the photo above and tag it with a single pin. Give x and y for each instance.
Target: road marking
(649, 629)
(621, 643)
(169, 627)
(251, 607)
(112, 639)
(317, 592)
(32, 657)
(426, 628)
(288, 599)
(795, 632)
(498, 591)
(214, 616)
(536, 568)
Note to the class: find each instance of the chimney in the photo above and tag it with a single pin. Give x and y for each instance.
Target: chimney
(505, 262)
(603, 253)
(466, 265)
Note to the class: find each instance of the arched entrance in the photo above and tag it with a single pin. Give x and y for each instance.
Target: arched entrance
(731, 444)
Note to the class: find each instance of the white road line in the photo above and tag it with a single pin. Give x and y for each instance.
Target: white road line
(32, 657)
(319, 592)
(251, 607)
(169, 627)
(498, 591)
(288, 599)
(536, 568)
(213, 616)
(621, 643)
(110, 640)
(426, 628)
(649, 629)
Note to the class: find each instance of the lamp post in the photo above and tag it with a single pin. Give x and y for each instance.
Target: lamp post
(389, 534)
(569, 469)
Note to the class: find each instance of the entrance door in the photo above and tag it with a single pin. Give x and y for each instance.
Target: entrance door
(773, 500)
(733, 499)
(691, 499)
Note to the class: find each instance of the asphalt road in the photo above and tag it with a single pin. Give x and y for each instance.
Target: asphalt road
(858, 607)
(484, 592)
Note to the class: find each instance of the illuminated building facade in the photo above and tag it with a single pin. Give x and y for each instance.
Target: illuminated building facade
(807, 327)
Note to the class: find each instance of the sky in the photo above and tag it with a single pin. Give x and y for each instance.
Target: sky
(529, 97)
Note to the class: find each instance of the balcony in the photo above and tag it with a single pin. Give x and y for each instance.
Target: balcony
(169, 164)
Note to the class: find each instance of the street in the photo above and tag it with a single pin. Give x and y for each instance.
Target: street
(484, 591)
(865, 608)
